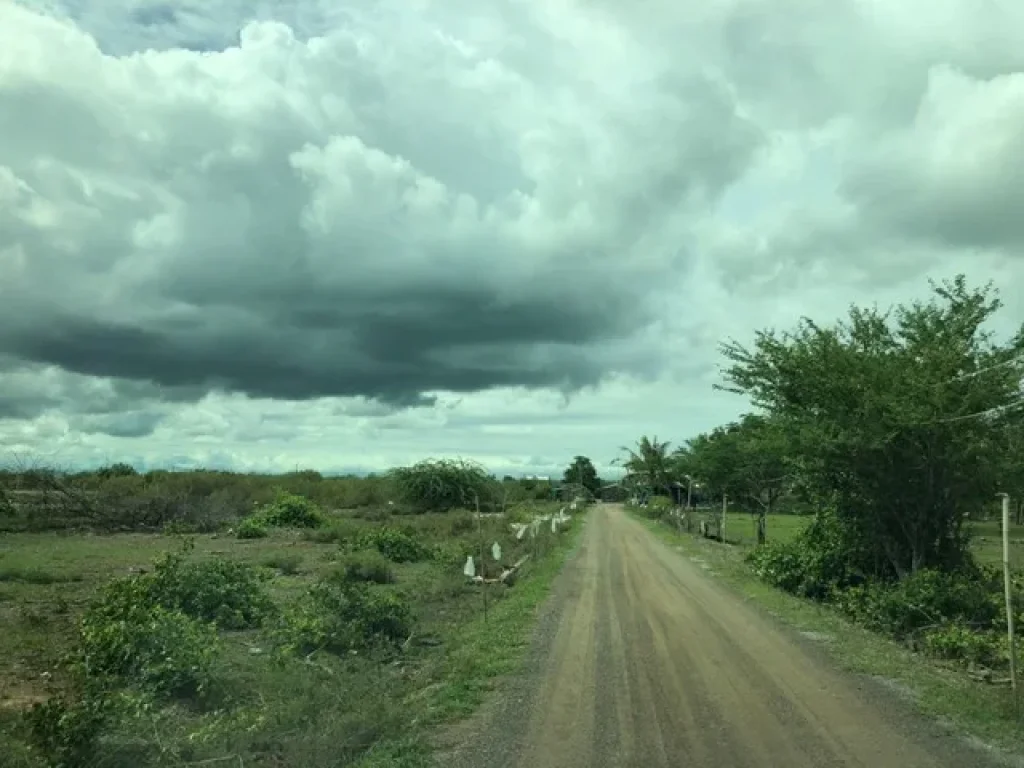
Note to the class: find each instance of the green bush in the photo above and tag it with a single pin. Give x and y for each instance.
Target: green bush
(228, 593)
(66, 731)
(816, 564)
(162, 652)
(956, 641)
(451, 555)
(924, 599)
(252, 527)
(368, 566)
(292, 511)
(342, 617)
(395, 544)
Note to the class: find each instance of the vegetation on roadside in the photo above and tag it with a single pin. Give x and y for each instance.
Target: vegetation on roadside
(131, 648)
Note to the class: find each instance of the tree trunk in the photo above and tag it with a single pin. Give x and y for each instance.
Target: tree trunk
(762, 519)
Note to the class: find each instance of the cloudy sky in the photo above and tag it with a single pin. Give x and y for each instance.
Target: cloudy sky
(348, 235)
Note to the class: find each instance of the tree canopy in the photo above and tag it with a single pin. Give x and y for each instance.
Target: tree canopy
(894, 423)
(648, 465)
(582, 472)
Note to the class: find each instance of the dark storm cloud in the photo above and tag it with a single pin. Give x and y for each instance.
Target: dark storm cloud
(393, 351)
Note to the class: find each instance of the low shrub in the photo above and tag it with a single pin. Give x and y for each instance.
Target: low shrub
(230, 594)
(924, 599)
(66, 730)
(291, 511)
(451, 555)
(342, 617)
(368, 566)
(252, 527)
(162, 652)
(955, 641)
(395, 544)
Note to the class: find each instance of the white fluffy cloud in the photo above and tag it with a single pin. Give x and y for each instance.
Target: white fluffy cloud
(269, 234)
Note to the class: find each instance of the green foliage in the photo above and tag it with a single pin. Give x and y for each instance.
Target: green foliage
(397, 545)
(292, 511)
(116, 470)
(339, 617)
(162, 652)
(253, 527)
(955, 615)
(648, 466)
(444, 484)
(450, 555)
(369, 566)
(878, 419)
(926, 599)
(582, 472)
(956, 641)
(66, 731)
(658, 507)
(229, 593)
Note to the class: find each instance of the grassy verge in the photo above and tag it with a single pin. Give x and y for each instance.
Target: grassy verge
(981, 711)
(486, 649)
(324, 709)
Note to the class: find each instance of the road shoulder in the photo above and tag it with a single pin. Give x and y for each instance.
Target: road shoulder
(494, 735)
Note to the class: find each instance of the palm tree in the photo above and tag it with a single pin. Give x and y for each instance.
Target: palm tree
(648, 465)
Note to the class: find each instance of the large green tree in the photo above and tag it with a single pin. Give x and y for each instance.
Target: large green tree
(582, 472)
(894, 422)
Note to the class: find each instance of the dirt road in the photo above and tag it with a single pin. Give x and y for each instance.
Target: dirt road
(646, 661)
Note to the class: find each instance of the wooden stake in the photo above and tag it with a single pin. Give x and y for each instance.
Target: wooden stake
(725, 507)
(1008, 589)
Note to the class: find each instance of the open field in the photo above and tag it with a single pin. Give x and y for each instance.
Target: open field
(366, 708)
(986, 541)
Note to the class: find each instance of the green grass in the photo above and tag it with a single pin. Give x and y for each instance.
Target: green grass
(325, 711)
(941, 691)
(987, 543)
(986, 539)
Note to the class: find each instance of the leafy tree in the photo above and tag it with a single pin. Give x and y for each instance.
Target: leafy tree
(582, 472)
(444, 484)
(747, 460)
(892, 422)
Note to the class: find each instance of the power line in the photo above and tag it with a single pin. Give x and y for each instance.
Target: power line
(986, 369)
(999, 409)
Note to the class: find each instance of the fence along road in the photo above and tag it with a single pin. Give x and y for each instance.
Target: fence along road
(643, 660)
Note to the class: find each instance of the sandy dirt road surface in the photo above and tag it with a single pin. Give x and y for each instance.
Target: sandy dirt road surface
(644, 660)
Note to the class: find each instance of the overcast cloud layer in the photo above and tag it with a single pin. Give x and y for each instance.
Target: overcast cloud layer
(345, 235)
